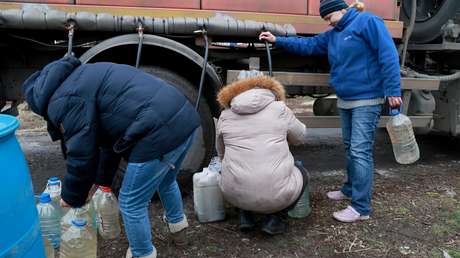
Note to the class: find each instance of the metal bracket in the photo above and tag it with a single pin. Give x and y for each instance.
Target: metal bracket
(407, 94)
(70, 27)
(450, 31)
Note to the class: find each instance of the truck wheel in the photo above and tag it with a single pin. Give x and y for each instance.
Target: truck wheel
(202, 149)
(431, 16)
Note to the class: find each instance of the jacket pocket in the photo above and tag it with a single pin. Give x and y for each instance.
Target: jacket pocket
(122, 145)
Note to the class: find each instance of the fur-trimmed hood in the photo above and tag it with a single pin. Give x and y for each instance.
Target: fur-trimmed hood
(229, 92)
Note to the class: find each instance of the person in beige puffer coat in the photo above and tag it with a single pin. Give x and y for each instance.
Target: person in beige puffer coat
(253, 132)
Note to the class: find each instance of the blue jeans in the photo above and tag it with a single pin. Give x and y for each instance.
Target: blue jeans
(140, 182)
(358, 131)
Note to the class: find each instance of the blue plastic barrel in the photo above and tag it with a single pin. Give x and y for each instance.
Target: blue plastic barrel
(20, 234)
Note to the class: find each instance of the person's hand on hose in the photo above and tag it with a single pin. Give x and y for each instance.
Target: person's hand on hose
(395, 102)
(268, 36)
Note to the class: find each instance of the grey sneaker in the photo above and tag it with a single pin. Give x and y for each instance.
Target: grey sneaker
(337, 196)
(178, 232)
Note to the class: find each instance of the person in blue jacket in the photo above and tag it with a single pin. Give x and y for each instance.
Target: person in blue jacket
(364, 71)
(103, 112)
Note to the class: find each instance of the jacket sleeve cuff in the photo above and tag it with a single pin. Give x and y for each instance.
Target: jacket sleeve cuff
(280, 41)
(72, 60)
(393, 93)
(73, 199)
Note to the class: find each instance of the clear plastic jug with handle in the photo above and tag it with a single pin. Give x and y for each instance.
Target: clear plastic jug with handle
(54, 187)
(207, 196)
(402, 137)
(78, 241)
(108, 214)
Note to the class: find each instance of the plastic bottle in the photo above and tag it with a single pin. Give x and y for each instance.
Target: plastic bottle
(78, 241)
(302, 208)
(215, 164)
(78, 213)
(108, 214)
(402, 137)
(49, 250)
(53, 187)
(207, 196)
(49, 220)
(95, 197)
(94, 200)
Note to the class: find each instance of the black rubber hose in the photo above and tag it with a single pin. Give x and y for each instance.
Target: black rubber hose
(203, 70)
(409, 31)
(269, 58)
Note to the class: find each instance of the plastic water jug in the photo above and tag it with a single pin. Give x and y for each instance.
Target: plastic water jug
(53, 187)
(78, 241)
(402, 137)
(302, 208)
(215, 164)
(83, 212)
(97, 194)
(108, 214)
(49, 250)
(49, 220)
(207, 196)
(20, 234)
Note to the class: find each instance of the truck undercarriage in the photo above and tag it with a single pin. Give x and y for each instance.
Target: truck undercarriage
(173, 48)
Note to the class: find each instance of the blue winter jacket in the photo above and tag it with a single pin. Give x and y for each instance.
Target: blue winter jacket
(104, 111)
(362, 55)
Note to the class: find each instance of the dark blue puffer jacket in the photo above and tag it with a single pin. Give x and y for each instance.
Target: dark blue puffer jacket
(104, 108)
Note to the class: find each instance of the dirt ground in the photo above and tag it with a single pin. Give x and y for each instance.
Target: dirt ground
(416, 207)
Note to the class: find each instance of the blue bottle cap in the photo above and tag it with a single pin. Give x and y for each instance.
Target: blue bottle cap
(53, 180)
(79, 222)
(394, 112)
(45, 198)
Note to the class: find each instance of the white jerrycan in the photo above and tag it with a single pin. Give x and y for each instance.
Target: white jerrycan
(207, 196)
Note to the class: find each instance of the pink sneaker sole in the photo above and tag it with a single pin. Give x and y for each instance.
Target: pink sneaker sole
(349, 215)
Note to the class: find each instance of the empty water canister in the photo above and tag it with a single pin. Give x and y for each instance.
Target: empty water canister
(20, 234)
(207, 196)
(402, 137)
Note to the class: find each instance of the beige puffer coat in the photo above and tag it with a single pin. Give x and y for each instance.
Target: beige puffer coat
(258, 172)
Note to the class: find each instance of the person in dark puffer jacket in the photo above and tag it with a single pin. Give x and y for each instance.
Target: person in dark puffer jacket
(103, 112)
